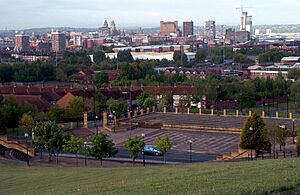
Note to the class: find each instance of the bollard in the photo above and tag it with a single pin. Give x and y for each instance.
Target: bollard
(200, 111)
(291, 115)
(263, 114)
(176, 110)
(250, 113)
(104, 119)
(237, 113)
(277, 115)
(153, 109)
(188, 110)
(148, 110)
(212, 112)
(129, 114)
(165, 109)
(225, 112)
(85, 120)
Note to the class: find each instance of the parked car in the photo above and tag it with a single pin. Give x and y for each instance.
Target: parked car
(151, 150)
(111, 116)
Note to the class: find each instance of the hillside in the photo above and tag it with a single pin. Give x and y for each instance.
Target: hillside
(256, 177)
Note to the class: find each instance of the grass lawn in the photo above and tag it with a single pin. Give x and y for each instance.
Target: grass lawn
(257, 177)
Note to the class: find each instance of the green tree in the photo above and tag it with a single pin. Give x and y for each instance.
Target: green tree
(56, 114)
(164, 144)
(102, 147)
(141, 99)
(273, 137)
(2, 119)
(201, 55)
(98, 56)
(60, 75)
(74, 145)
(26, 121)
(57, 141)
(6, 73)
(295, 92)
(149, 103)
(134, 146)
(298, 142)
(76, 108)
(180, 58)
(125, 56)
(117, 106)
(282, 135)
(11, 112)
(100, 79)
(49, 136)
(168, 100)
(294, 73)
(101, 104)
(257, 138)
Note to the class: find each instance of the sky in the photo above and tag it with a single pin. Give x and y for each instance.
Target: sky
(24, 14)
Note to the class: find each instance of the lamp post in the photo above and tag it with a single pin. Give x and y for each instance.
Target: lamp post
(293, 131)
(97, 125)
(115, 121)
(191, 143)
(27, 152)
(287, 105)
(251, 131)
(144, 163)
(283, 127)
(130, 99)
(85, 160)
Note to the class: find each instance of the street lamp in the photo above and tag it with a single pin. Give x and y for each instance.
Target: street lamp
(287, 105)
(85, 160)
(251, 131)
(130, 123)
(26, 137)
(191, 142)
(115, 121)
(130, 99)
(293, 131)
(97, 125)
(283, 127)
(143, 136)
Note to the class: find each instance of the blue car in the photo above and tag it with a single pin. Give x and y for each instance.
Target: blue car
(151, 150)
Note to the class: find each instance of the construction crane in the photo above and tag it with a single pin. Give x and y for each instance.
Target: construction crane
(242, 8)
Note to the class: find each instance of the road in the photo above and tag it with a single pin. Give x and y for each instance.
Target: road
(172, 156)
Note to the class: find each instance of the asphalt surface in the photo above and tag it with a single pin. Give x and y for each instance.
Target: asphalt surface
(172, 156)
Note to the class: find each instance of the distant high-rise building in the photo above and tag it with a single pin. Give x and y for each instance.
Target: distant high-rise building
(169, 28)
(76, 38)
(188, 29)
(246, 23)
(22, 42)
(269, 31)
(58, 41)
(237, 36)
(210, 29)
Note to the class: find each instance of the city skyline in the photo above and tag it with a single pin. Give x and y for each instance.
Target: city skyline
(21, 14)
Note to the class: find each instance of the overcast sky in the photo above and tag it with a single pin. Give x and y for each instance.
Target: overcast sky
(21, 14)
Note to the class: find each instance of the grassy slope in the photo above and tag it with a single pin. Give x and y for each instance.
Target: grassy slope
(215, 178)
